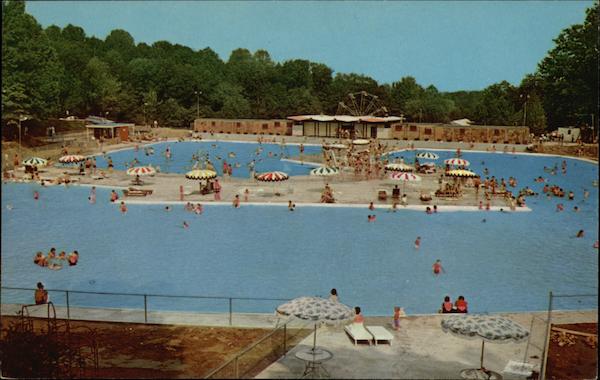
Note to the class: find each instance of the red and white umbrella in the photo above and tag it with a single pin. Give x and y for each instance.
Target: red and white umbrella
(272, 177)
(141, 171)
(71, 159)
(457, 162)
(404, 177)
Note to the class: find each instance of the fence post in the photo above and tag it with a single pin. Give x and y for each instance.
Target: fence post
(236, 374)
(547, 339)
(68, 307)
(230, 312)
(145, 308)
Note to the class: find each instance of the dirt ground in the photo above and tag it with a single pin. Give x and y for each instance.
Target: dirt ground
(577, 361)
(128, 350)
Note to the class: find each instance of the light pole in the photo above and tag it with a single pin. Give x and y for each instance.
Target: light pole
(21, 118)
(197, 93)
(145, 122)
(524, 108)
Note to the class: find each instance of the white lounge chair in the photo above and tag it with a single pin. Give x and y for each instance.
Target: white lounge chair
(358, 332)
(380, 333)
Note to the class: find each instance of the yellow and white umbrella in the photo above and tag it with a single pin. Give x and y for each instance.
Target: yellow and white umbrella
(461, 173)
(201, 175)
(399, 167)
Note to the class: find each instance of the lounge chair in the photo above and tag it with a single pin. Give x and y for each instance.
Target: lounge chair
(358, 332)
(380, 333)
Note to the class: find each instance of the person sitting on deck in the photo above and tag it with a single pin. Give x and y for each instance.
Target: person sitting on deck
(447, 306)
(461, 305)
(358, 318)
(41, 294)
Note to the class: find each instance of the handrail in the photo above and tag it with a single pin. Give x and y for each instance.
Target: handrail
(145, 298)
(153, 295)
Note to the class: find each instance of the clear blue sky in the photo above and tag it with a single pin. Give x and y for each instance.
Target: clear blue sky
(453, 45)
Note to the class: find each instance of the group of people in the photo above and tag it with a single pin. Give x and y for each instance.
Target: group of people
(54, 261)
(459, 306)
(197, 208)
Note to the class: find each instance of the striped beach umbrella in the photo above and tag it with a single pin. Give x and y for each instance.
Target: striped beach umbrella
(35, 161)
(325, 171)
(461, 173)
(404, 177)
(272, 177)
(141, 171)
(428, 155)
(201, 174)
(399, 167)
(457, 162)
(71, 159)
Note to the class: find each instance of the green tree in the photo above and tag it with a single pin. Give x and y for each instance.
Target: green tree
(29, 63)
(101, 86)
(570, 73)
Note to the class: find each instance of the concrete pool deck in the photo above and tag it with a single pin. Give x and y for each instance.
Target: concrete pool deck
(421, 350)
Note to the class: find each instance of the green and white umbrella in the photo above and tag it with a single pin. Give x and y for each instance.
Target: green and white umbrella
(325, 171)
(486, 327)
(316, 309)
(35, 161)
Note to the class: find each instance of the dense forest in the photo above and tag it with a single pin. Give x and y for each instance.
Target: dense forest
(55, 72)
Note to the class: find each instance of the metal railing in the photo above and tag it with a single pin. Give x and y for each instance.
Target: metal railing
(144, 298)
(258, 355)
(546, 346)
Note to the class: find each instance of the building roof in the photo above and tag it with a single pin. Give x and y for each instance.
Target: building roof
(100, 122)
(346, 118)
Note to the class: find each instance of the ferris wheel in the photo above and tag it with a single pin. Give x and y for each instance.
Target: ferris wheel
(361, 104)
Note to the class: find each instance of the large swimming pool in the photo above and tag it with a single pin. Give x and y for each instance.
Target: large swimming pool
(267, 157)
(508, 263)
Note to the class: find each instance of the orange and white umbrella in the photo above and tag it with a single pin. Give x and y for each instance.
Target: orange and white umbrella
(457, 162)
(272, 177)
(71, 159)
(141, 171)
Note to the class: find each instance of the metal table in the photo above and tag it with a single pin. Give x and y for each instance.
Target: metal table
(313, 361)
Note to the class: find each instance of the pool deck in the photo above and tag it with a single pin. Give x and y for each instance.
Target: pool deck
(420, 350)
(301, 190)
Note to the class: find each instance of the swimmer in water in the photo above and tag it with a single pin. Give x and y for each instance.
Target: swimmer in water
(123, 207)
(579, 234)
(418, 242)
(168, 208)
(483, 220)
(36, 195)
(437, 267)
(185, 224)
(9, 207)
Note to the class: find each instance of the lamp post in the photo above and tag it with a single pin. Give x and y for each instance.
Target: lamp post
(197, 93)
(524, 108)
(145, 122)
(21, 118)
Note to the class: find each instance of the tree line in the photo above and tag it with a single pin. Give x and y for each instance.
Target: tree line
(56, 72)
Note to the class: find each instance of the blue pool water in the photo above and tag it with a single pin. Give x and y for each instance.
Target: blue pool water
(508, 263)
(268, 159)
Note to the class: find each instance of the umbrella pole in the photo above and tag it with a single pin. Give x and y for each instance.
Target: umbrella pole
(481, 360)
(315, 338)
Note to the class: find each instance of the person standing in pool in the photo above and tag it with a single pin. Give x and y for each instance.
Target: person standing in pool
(123, 207)
(418, 242)
(36, 195)
(437, 267)
(217, 188)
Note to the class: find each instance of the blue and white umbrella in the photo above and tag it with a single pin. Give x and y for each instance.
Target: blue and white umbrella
(486, 327)
(427, 155)
(325, 171)
(316, 309)
(35, 161)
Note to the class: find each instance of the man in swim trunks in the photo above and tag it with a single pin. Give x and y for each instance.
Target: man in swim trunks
(437, 267)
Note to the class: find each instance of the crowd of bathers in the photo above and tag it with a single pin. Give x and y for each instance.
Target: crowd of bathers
(54, 261)
(197, 208)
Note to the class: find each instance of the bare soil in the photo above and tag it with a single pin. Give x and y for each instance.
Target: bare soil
(128, 350)
(577, 361)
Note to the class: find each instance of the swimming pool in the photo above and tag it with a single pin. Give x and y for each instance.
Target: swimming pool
(268, 157)
(508, 263)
